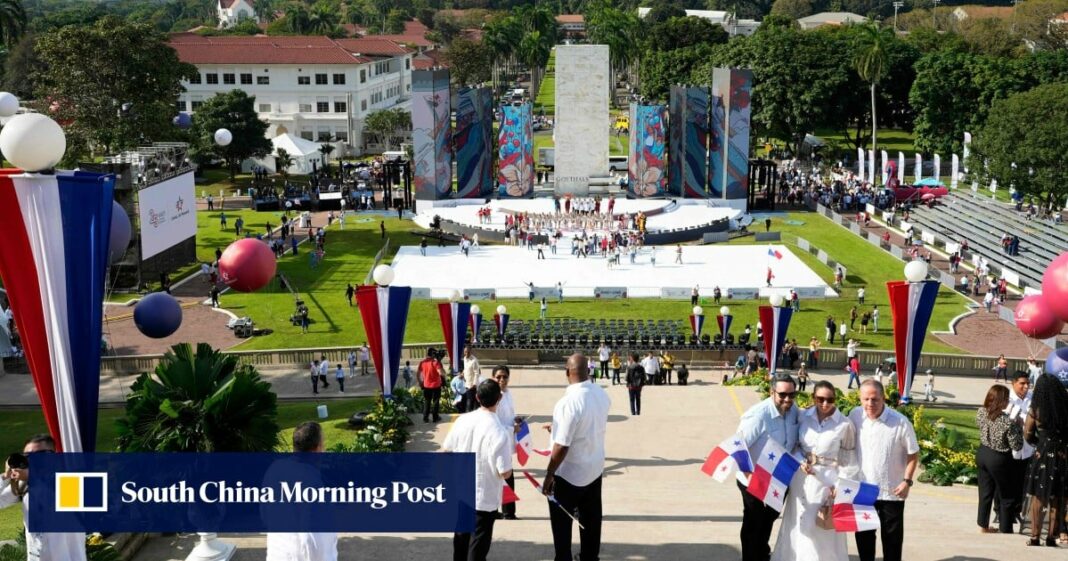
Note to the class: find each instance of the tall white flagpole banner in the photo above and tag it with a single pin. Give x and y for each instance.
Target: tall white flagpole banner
(954, 171)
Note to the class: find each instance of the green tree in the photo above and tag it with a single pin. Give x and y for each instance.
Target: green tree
(323, 20)
(659, 70)
(12, 21)
(990, 36)
(298, 18)
(680, 33)
(202, 401)
(20, 67)
(326, 149)
(872, 60)
(390, 125)
(282, 161)
(539, 24)
(395, 22)
(502, 36)
(620, 29)
(130, 64)
(793, 9)
(234, 111)
(470, 62)
(1026, 152)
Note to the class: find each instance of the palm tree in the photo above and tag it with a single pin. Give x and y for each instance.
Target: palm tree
(502, 36)
(12, 21)
(619, 30)
(297, 18)
(199, 402)
(322, 20)
(325, 149)
(538, 41)
(872, 62)
(282, 161)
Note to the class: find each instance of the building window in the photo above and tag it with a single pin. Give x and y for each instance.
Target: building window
(211, 78)
(339, 107)
(339, 79)
(320, 80)
(323, 136)
(407, 64)
(228, 78)
(363, 105)
(263, 80)
(303, 80)
(195, 104)
(265, 108)
(363, 75)
(195, 78)
(307, 134)
(246, 79)
(305, 107)
(181, 105)
(341, 135)
(322, 106)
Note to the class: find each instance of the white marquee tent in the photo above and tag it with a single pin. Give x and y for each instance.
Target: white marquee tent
(303, 152)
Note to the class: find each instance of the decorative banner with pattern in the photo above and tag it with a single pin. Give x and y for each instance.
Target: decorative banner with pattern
(431, 123)
(515, 143)
(646, 166)
(473, 142)
(739, 112)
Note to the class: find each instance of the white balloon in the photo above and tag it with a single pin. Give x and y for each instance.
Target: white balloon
(776, 300)
(9, 104)
(33, 142)
(383, 275)
(916, 271)
(698, 311)
(502, 310)
(475, 310)
(223, 137)
(455, 296)
(725, 311)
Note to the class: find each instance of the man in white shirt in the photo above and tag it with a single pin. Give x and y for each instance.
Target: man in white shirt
(481, 432)
(603, 354)
(303, 546)
(1019, 405)
(651, 365)
(352, 364)
(580, 420)
(40, 546)
(506, 414)
(365, 358)
(888, 453)
(472, 374)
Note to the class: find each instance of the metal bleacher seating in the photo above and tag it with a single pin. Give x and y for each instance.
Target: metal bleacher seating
(565, 334)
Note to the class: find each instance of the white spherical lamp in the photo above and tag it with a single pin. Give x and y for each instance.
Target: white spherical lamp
(9, 104)
(33, 142)
(455, 296)
(383, 275)
(223, 137)
(501, 310)
(776, 300)
(725, 311)
(476, 310)
(698, 311)
(916, 271)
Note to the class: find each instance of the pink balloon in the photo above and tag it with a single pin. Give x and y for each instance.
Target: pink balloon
(247, 265)
(1055, 286)
(1036, 319)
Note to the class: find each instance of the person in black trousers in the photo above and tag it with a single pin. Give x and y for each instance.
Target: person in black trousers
(999, 436)
(635, 382)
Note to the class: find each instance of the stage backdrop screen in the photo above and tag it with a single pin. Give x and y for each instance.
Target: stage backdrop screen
(431, 131)
(473, 142)
(515, 143)
(648, 175)
(168, 214)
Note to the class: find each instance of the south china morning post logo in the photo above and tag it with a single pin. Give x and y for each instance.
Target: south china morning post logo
(81, 492)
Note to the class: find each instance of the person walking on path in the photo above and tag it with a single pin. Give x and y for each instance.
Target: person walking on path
(576, 464)
(339, 375)
(509, 420)
(352, 363)
(214, 295)
(472, 374)
(302, 546)
(1046, 428)
(999, 437)
(365, 359)
(635, 383)
(1019, 405)
(431, 374)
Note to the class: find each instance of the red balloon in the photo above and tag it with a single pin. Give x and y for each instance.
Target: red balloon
(1036, 319)
(1055, 286)
(247, 265)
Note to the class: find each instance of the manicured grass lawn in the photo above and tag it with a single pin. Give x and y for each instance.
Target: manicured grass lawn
(893, 141)
(961, 420)
(19, 424)
(210, 234)
(546, 99)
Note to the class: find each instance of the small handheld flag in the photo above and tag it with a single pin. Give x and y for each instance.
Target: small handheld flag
(774, 469)
(730, 453)
(508, 495)
(854, 506)
(524, 444)
(551, 498)
(772, 252)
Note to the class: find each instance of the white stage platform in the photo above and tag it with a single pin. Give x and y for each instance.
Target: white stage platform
(677, 214)
(506, 269)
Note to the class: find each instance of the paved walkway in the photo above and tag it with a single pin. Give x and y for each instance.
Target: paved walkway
(657, 503)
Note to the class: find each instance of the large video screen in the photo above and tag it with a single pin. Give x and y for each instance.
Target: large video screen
(168, 214)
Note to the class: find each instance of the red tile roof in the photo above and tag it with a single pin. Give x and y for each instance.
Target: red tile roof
(430, 58)
(373, 45)
(261, 49)
(570, 18)
(225, 4)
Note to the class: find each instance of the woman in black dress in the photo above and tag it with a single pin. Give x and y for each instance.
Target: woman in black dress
(1047, 429)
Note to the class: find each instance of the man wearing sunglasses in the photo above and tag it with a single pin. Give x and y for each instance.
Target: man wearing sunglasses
(40, 546)
(775, 418)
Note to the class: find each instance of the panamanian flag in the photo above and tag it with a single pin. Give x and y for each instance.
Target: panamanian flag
(775, 467)
(730, 453)
(454, 319)
(724, 322)
(697, 323)
(53, 262)
(776, 321)
(772, 252)
(384, 310)
(911, 305)
(524, 445)
(854, 506)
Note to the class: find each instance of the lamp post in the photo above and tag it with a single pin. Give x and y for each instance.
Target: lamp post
(934, 8)
(897, 6)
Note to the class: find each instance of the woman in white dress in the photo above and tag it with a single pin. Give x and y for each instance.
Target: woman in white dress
(826, 439)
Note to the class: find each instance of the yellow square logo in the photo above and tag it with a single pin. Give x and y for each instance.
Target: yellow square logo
(81, 492)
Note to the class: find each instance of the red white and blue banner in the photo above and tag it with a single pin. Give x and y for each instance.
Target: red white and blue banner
(911, 305)
(724, 326)
(854, 506)
(731, 454)
(772, 474)
(475, 320)
(384, 310)
(697, 323)
(524, 445)
(454, 319)
(776, 321)
(501, 320)
(53, 262)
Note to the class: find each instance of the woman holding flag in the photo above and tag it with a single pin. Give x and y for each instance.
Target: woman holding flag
(826, 440)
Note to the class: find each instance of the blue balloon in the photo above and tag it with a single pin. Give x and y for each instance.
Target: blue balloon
(1057, 364)
(120, 232)
(182, 120)
(158, 315)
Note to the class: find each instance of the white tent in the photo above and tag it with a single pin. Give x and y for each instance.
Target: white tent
(303, 152)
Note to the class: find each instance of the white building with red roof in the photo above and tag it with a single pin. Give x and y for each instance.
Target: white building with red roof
(314, 87)
(232, 11)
